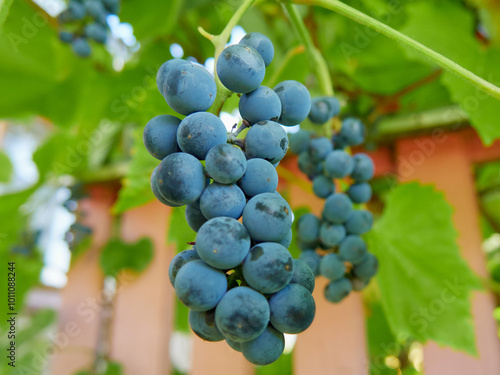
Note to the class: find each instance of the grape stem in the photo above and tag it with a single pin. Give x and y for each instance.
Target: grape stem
(219, 42)
(389, 32)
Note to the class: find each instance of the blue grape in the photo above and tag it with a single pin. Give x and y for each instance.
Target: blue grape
(337, 208)
(367, 268)
(303, 275)
(199, 132)
(199, 286)
(292, 309)
(319, 148)
(352, 249)
(287, 240)
(337, 290)
(223, 243)
(240, 68)
(262, 44)
(96, 9)
(267, 217)
(156, 191)
(323, 186)
(334, 105)
(331, 234)
(242, 314)
(332, 267)
(178, 261)
(234, 345)
(299, 142)
(194, 217)
(65, 37)
(160, 136)
(359, 284)
(260, 105)
(323, 109)
(363, 168)
(306, 245)
(352, 131)
(266, 140)
(308, 228)
(225, 163)
(76, 10)
(189, 88)
(338, 164)
(166, 68)
(295, 102)
(312, 259)
(264, 349)
(359, 222)
(113, 6)
(268, 267)
(307, 165)
(222, 200)
(338, 142)
(180, 178)
(260, 177)
(97, 32)
(81, 47)
(360, 192)
(203, 325)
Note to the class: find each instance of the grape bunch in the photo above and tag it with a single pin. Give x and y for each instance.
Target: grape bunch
(86, 20)
(239, 280)
(332, 245)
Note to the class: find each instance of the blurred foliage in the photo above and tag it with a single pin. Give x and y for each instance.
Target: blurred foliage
(117, 256)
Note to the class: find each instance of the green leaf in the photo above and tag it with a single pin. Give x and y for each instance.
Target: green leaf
(4, 10)
(284, 365)
(5, 167)
(117, 256)
(179, 232)
(136, 188)
(424, 282)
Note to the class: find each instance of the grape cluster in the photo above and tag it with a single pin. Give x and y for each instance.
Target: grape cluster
(239, 281)
(86, 20)
(332, 245)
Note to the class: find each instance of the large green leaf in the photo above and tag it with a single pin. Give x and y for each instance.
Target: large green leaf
(5, 167)
(118, 256)
(4, 10)
(424, 282)
(179, 232)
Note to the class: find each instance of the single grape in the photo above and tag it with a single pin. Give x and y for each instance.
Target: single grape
(199, 132)
(287, 240)
(337, 208)
(319, 148)
(264, 349)
(312, 259)
(352, 131)
(222, 200)
(199, 286)
(203, 325)
(359, 222)
(234, 345)
(194, 217)
(225, 163)
(160, 136)
(156, 191)
(268, 267)
(367, 268)
(338, 164)
(180, 178)
(334, 105)
(65, 37)
(303, 275)
(308, 227)
(260, 177)
(299, 141)
(165, 69)
(240, 68)
(260, 105)
(178, 261)
(189, 88)
(292, 309)
(337, 290)
(332, 267)
(331, 234)
(266, 140)
(242, 314)
(223, 243)
(295, 102)
(307, 165)
(323, 186)
(76, 10)
(262, 44)
(97, 32)
(353, 249)
(360, 192)
(323, 109)
(363, 168)
(267, 217)
(81, 47)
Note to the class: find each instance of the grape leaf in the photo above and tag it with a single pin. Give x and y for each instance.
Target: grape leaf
(424, 282)
(117, 256)
(4, 10)
(5, 167)
(179, 232)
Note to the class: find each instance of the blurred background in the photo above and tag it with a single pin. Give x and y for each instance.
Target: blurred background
(92, 247)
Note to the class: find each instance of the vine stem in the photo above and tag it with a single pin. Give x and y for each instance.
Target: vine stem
(382, 28)
(219, 42)
(318, 63)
